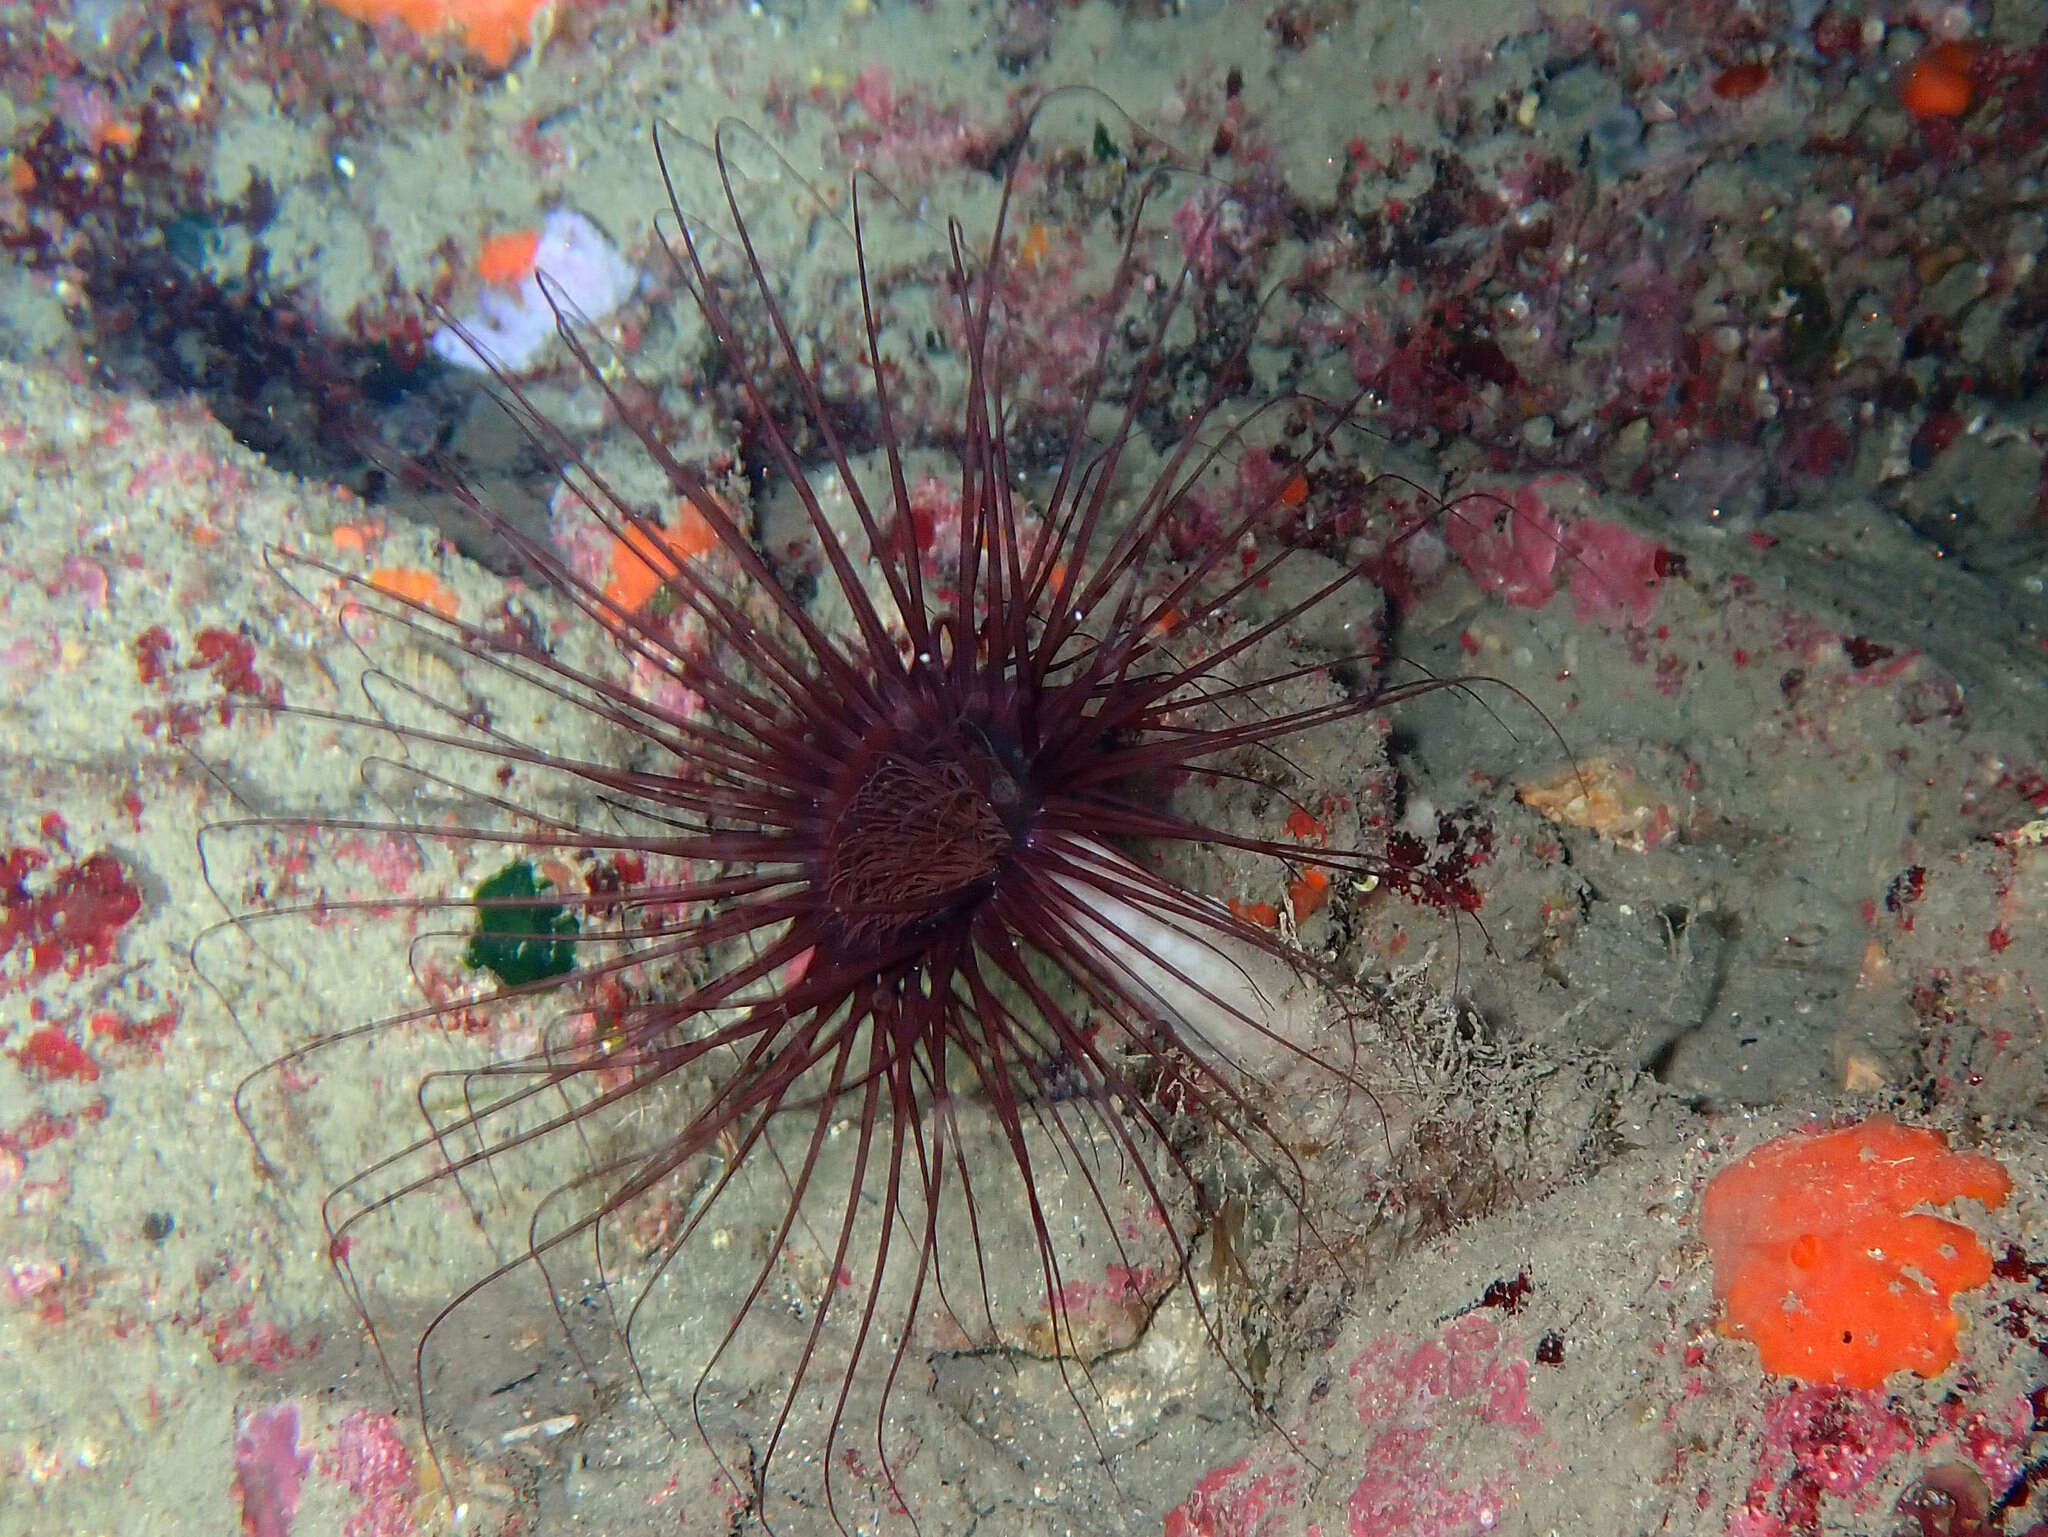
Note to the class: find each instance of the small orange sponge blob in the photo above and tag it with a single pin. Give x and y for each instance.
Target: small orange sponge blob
(508, 259)
(644, 560)
(1938, 83)
(1821, 1260)
(494, 30)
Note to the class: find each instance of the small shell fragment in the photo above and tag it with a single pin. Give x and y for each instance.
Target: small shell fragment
(555, 1425)
(1605, 797)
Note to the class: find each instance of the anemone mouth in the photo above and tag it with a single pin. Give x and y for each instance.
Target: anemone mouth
(920, 835)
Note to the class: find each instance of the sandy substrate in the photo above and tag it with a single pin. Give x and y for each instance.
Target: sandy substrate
(1765, 854)
(163, 1292)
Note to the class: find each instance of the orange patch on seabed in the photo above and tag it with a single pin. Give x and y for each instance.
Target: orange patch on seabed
(494, 30)
(1264, 914)
(507, 260)
(1939, 84)
(356, 537)
(1308, 895)
(645, 558)
(1305, 826)
(416, 586)
(1824, 1259)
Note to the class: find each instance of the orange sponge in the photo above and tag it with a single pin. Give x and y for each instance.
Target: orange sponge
(493, 29)
(1939, 82)
(1821, 1260)
(642, 563)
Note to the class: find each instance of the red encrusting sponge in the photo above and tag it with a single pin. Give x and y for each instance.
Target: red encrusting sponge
(1821, 1260)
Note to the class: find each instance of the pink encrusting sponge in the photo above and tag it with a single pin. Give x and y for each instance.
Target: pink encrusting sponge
(1822, 1261)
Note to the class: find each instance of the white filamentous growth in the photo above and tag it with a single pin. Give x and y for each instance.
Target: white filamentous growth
(1237, 1005)
(509, 328)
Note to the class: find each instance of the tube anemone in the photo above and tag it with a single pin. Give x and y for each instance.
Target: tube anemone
(858, 1025)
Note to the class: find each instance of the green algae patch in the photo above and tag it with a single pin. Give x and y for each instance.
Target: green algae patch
(519, 939)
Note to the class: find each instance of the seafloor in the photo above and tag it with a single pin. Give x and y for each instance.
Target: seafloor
(1734, 312)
